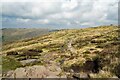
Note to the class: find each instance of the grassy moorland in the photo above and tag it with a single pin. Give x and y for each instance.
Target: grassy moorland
(15, 34)
(76, 52)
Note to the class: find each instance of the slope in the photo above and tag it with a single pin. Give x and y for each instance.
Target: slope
(15, 34)
(91, 51)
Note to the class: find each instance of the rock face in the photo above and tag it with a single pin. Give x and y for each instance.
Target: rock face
(35, 72)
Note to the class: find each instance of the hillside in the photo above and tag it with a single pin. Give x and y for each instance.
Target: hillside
(15, 34)
(74, 53)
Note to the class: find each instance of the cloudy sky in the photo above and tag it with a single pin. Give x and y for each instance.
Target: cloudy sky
(58, 13)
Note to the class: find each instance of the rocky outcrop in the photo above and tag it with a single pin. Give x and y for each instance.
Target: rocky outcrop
(36, 71)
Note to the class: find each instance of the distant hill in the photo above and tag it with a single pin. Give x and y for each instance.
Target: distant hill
(71, 53)
(14, 34)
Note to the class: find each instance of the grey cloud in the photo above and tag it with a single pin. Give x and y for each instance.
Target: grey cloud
(66, 14)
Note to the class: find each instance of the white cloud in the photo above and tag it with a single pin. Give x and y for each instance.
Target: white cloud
(70, 5)
(29, 0)
(64, 12)
(43, 21)
(22, 20)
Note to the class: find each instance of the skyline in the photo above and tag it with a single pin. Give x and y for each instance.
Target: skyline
(58, 14)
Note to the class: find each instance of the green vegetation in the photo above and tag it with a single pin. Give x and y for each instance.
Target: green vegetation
(9, 63)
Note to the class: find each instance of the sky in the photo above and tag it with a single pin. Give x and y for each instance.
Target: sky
(58, 14)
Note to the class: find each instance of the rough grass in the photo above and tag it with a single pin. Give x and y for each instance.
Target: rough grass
(9, 63)
(89, 43)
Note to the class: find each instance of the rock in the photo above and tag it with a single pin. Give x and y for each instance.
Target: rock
(52, 76)
(35, 71)
(84, 75)
(9, 73)
(63, 76)
(114, 77)
(77, 75)
(20, 73)
(24, 62)
(54, 68)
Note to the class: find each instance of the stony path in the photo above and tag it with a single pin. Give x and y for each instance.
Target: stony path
(71, 48)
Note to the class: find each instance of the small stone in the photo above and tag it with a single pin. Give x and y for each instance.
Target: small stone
(64, 76)
(84, 75)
